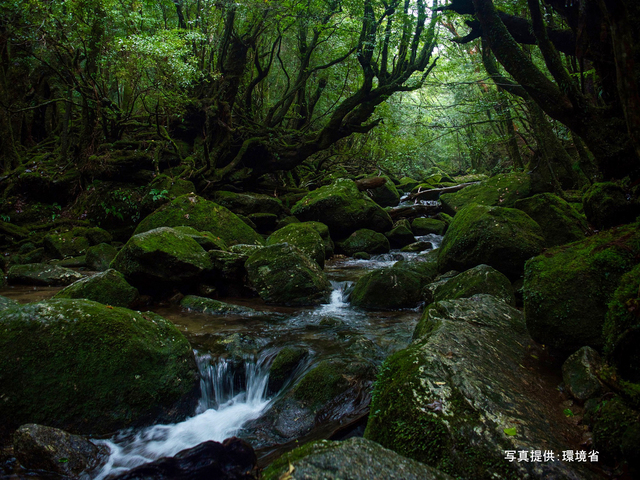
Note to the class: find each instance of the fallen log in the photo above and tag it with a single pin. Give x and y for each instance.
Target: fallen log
(434, 193)
(369, 183)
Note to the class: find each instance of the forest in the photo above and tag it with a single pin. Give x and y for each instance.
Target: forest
(288, 239)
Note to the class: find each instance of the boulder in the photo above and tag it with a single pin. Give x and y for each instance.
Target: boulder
(250, 203)
(233, 459)
(323, 230)
(206, 240)
(502, 190)
(100, 256)
(364, 240)
(102, 368)
(417, 247)
(476, 280)
(161, 257)
(95, 235)
(284, 364)
(264, 222)
(441, 400)
(209, 306)
(343, 208)
(355, 458)
(61, 245)
(566, 290)
(108, 288)
(606, 204)
(283, 274)
(204, 216)
(560, 222)
(616, 434)
(386, 195)
(303, 236)
(7, 303)
(622, 327)
(387, 289)
(42, 274)
(407, 184)
(37, 447)
(427, 226)
(503, 238)
(400, 236)
(227, 273)
(579, 373)
(425, 265)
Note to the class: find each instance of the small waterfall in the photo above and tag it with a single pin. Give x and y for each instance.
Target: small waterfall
(221, 413)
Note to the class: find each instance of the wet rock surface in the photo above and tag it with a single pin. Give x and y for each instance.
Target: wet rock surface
(109, 288)
(42, 274)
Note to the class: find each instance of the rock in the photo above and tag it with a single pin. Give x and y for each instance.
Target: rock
(71, 262)
(161, 257)
(502, 190)
(579, 373)
(108, 288)
(100, 256)
(343, 209)
(424, 265)
(606, 204)
(95, 235)
(503, 238)
(407, 184)
(361, 256)
(102, 368)
(323, 230)
(204, 216)
(283, 366)
(364, 240)
(42, 274)
(194, 303)
(233, 459)
(400, 236)
(33, 256)
(566, 290)
(622, 327)
(321, 384)
(283, 274)
(206, 240)
(355, 458)
(386, 195)
(480, 279)
(264, 222)
(61, 245)
(7, 303)
(427, 226)
(417, 247)
(387, 289)
(303, 236)
(227, 273)
(560, 222)
(44, 448)
(615, 432)
(163, 189)
(440, 401)
(250, 203)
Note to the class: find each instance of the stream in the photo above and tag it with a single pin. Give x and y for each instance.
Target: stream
(234, 354)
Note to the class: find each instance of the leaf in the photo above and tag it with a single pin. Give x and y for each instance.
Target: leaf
(510, 431)
(567, 412)
(63, 460)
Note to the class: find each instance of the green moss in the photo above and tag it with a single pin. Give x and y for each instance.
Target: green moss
(364, 240)
(249, 203)
(480, 279)
(387, 289)
(108, 288)
(566, 290)
(503, 238)
(606, 204)
(426, 226)
(283, 366)
(7, 303)
(213, 307)
(386, 195)
(102, 368)
(501, 190)
(281, 465)
(204, 216)
(65, 245)
(42, 274)
(612, 421)
(206, 240)
(100, 256)
(321, 384)
(400, 236)
(303, 236)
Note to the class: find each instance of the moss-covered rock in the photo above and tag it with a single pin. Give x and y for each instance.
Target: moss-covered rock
(61, 245)
(108, 288)
(343, 209)
(615, 432)
(560, 222)
(250, 203)
(102, 368)
(480, 279)
(387, 289)
(264, 222)
(42, 274)
(580, 374)
(100, 256)
(385, 195)
(606, 204)
(503, 238)
(400, 236)
(424, 265)
(7, 303)
(206, 240)
(622, 326)
(426, 226)
(303, 236)
(204, 216)
(283, 274)
(283, 366)
(209, 306)
(407, 184)
(36, 255)
(566, 290)
(161, 257)
(364, 240)
(355, 458)
(323, 230)
(227, 273)
(417, 247)
(438, 400)
(501, 190)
